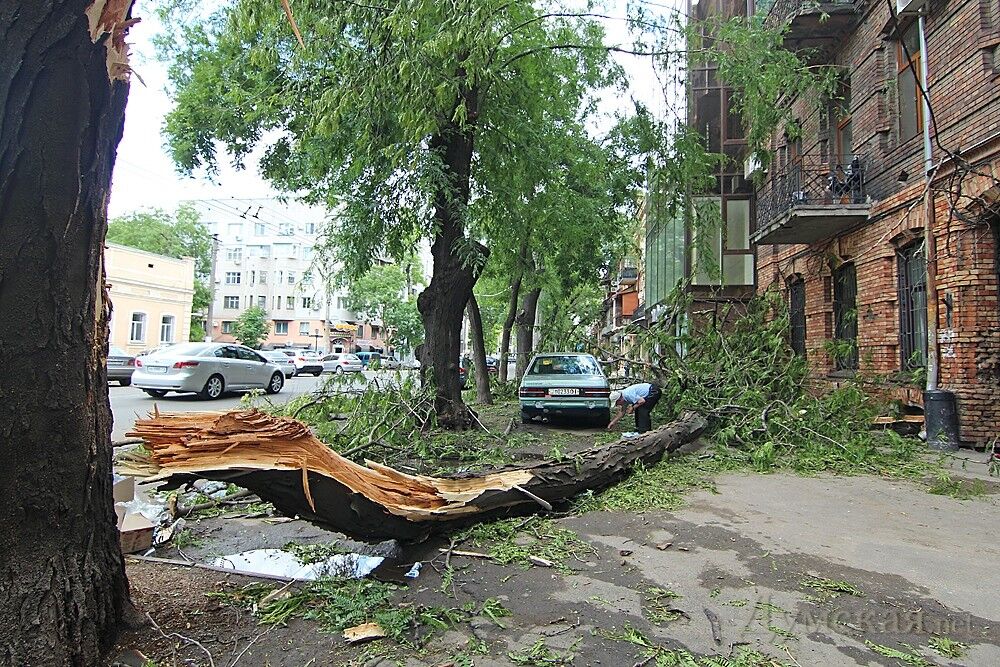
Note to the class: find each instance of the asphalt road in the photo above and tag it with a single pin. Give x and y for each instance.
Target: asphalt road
(128, 403)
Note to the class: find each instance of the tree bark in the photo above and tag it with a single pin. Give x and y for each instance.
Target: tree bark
(508, 324)
(63, 90)
(442, 304)
(483, 394)
(526, 330)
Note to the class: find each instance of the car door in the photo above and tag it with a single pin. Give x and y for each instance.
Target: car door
(231, 365)
(330, 363)
(256, 372)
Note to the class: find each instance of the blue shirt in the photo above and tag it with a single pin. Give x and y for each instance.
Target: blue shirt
(635, 392)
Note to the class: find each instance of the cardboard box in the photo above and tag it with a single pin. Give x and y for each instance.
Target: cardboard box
(135, 533)
(123, 489)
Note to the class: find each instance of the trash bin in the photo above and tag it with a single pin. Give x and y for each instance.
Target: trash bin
(941, 419)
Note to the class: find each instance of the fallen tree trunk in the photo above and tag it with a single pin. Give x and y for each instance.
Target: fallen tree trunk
(282, 462)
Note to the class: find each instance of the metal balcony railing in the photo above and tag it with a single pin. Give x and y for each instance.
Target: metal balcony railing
(810, 181)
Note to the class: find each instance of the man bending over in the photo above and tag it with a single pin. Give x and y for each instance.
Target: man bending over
(639, 399)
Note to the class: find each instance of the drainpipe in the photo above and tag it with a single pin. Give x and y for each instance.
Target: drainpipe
(940, 408)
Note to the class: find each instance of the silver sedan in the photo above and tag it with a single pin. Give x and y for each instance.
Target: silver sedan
(208, 369)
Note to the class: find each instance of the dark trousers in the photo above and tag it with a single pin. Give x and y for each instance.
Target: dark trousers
(642, 420)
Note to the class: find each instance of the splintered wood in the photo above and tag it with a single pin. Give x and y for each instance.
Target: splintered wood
(280, 460)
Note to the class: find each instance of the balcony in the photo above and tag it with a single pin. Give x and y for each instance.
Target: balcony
(812, 25)
(628, 274)
(810, 200)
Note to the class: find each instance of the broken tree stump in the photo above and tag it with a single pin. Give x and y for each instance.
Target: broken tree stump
(280, 460)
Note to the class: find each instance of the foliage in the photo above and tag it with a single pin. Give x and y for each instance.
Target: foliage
(664, 657)
(658, 607)
(739, 370)
(179, 235)
(946, 485)
(540, 654)
(251, 327)
(380, 294)
(659, 486)
(829, 589)
(907, 658)
(518, 541)
(949, 648)
(313, 553)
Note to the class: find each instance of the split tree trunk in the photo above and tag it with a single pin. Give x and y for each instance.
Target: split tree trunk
(442, 303)
(483, 394)
(526, 330)
(62, 577)
(508, 324)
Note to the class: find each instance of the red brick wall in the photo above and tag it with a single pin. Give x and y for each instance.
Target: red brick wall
(965, 94)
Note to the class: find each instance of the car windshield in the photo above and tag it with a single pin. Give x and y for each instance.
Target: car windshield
(117, 352)
(565, 365)
(184, 349)
(352, 357)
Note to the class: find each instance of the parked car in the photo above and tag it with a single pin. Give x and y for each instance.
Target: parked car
(284, 362)
(120, 365)
(154, 350)
(565, 384)
(209, 369)
(341, 362)
(306, 361)
(389, 363)
(370, 359)
(492, 365)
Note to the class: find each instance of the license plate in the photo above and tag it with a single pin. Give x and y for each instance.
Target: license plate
(562, 391)
(156, 369)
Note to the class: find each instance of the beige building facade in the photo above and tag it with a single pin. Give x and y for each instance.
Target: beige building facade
(151, 298)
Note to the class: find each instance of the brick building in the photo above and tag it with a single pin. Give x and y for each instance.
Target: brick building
(840, 215)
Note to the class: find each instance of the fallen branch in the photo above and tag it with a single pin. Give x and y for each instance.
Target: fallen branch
(280, 460)
(232, 499)
(193, 642)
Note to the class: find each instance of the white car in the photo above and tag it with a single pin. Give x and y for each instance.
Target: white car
(341, 362)
(306, 361)
(284, 362)
(208, 369)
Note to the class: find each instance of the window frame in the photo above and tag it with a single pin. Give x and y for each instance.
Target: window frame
(912, 314)
(283, 324)
(228, 299)
(172, 324)
(144, 322)
(230, 275)
(798, 285)
(903, 65)
(845, 293)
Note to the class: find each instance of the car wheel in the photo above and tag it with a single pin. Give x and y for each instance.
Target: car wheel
(525, 417)
(276, 383)
(213, 387)
(317, 373)
(156, 393)
(125, 382)
(340, 370)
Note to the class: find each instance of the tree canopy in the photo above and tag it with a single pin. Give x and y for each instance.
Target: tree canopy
(380, 294)
(251, 327)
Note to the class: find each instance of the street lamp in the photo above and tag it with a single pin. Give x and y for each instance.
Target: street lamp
(316, 336)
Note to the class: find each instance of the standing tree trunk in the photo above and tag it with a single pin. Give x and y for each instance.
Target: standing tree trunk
(483, 394)
(442, 304)
(526, 329)
(508, 324)
(62, 98)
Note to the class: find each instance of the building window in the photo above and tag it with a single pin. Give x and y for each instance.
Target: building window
(253, 277)
(262, 301)
(307, 277)
(227, 326)
(137, 332)
(258, 229)
(167, 329)
(231, 302)
(234, 254)
(342, 303)
(737, 257)
(310, 228)
(845, 317)
(912, 267)
(291, 277)
(285, 229)
(797, 315)
(908, 82)
(281, 328)
(278, 306)
(844, 133)
(263, 277)
(289, 303)
(361, 331)
(303, 328)
(232, 277)
(307, 302)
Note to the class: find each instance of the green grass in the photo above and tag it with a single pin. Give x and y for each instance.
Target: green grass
(946, 485)
(828, 589)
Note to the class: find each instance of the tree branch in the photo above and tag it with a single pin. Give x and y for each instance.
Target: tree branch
(583, 47)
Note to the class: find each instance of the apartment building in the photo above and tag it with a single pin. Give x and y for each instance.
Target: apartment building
(842, 215)
(151, 298)
(725, 272)
(265, 258)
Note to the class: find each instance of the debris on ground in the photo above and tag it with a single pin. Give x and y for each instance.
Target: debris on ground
(280, 460)
(364, 632)
(284, 564)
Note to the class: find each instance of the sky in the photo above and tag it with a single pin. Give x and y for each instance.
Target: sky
(144, 175)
